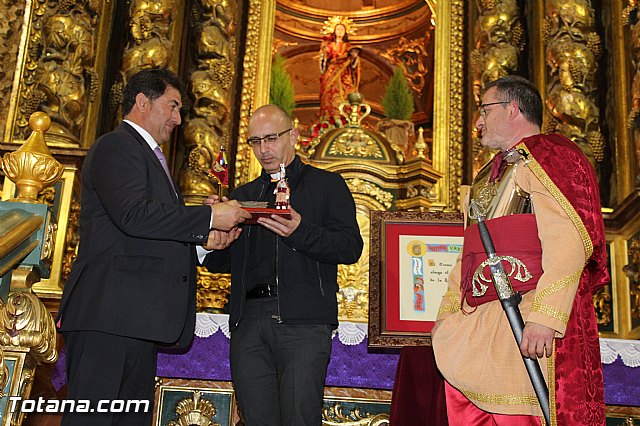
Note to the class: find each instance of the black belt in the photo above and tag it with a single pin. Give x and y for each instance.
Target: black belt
(263, 291)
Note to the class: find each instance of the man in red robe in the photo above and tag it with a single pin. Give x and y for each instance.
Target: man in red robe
(541, 199)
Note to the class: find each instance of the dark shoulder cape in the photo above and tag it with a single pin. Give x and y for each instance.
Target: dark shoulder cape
(577, 393)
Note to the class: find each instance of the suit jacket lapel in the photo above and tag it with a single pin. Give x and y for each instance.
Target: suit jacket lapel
(151, 156)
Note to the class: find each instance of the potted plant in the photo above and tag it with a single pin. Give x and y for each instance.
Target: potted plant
(398, 109)
(281, 91)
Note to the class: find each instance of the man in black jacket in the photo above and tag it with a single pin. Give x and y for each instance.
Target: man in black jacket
(284, 280)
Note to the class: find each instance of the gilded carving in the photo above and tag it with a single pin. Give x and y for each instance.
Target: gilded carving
(60, 78)
(632, 272)
(149, 25)
(455, 139)
(224, 12)
(149, 45)
(602, 302)
(335, 415)
(72, 239)
(499, 41)
(9, 43)
(210, 84)
(25, 322)
(412, 55)
(4, 374)
(498, 44)
(250, 68)
(353, 295)
(352, 140)
(630, 18)
(354, 143)
(196, 410)
(49, 240)
(212, 290)
(359, 186)
(572, 52)
(32, 167)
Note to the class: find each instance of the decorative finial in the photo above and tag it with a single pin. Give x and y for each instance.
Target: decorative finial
(32, 167)
(421, 145)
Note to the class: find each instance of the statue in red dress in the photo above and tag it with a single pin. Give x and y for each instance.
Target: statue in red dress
(339, 66)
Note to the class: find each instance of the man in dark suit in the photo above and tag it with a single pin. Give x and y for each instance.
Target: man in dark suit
(132, 286)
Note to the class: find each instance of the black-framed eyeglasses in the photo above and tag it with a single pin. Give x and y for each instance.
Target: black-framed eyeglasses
(268, 139)
(483, 110)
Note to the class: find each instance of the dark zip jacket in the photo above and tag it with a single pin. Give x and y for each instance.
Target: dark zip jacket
(307, 261)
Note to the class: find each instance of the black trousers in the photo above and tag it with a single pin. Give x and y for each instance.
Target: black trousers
(278, 370)
(104, 367)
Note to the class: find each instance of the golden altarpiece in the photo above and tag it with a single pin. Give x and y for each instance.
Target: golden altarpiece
(71, 59)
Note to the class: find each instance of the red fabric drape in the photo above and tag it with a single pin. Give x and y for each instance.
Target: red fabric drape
(579, 383)
(418, 391)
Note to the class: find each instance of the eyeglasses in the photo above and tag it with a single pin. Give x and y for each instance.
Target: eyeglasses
(483, 107)
(268, 139)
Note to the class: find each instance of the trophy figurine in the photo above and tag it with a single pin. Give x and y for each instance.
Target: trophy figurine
(282, 191)
(281, 207)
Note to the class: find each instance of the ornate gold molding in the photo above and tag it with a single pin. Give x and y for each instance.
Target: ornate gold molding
(255, 81)
(335, 414)
(448, 102)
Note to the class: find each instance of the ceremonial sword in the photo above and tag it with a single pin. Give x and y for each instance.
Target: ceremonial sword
(510, 300)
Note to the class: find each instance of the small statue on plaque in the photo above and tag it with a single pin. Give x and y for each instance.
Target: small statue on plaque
(282, 191)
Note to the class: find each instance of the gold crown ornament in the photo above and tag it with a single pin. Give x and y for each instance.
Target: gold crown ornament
(330, 24)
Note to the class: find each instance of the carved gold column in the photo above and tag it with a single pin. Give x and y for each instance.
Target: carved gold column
(211, 76)
(153, 28)
(499, 41)
(572, 51)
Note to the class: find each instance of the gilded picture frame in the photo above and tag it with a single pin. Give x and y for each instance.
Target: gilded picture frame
(411, 254)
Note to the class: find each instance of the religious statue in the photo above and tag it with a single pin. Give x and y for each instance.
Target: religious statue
(339, 66)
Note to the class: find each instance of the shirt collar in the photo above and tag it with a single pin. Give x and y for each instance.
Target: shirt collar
(145, 135)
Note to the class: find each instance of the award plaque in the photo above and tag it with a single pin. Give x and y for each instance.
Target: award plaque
(259, 209)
